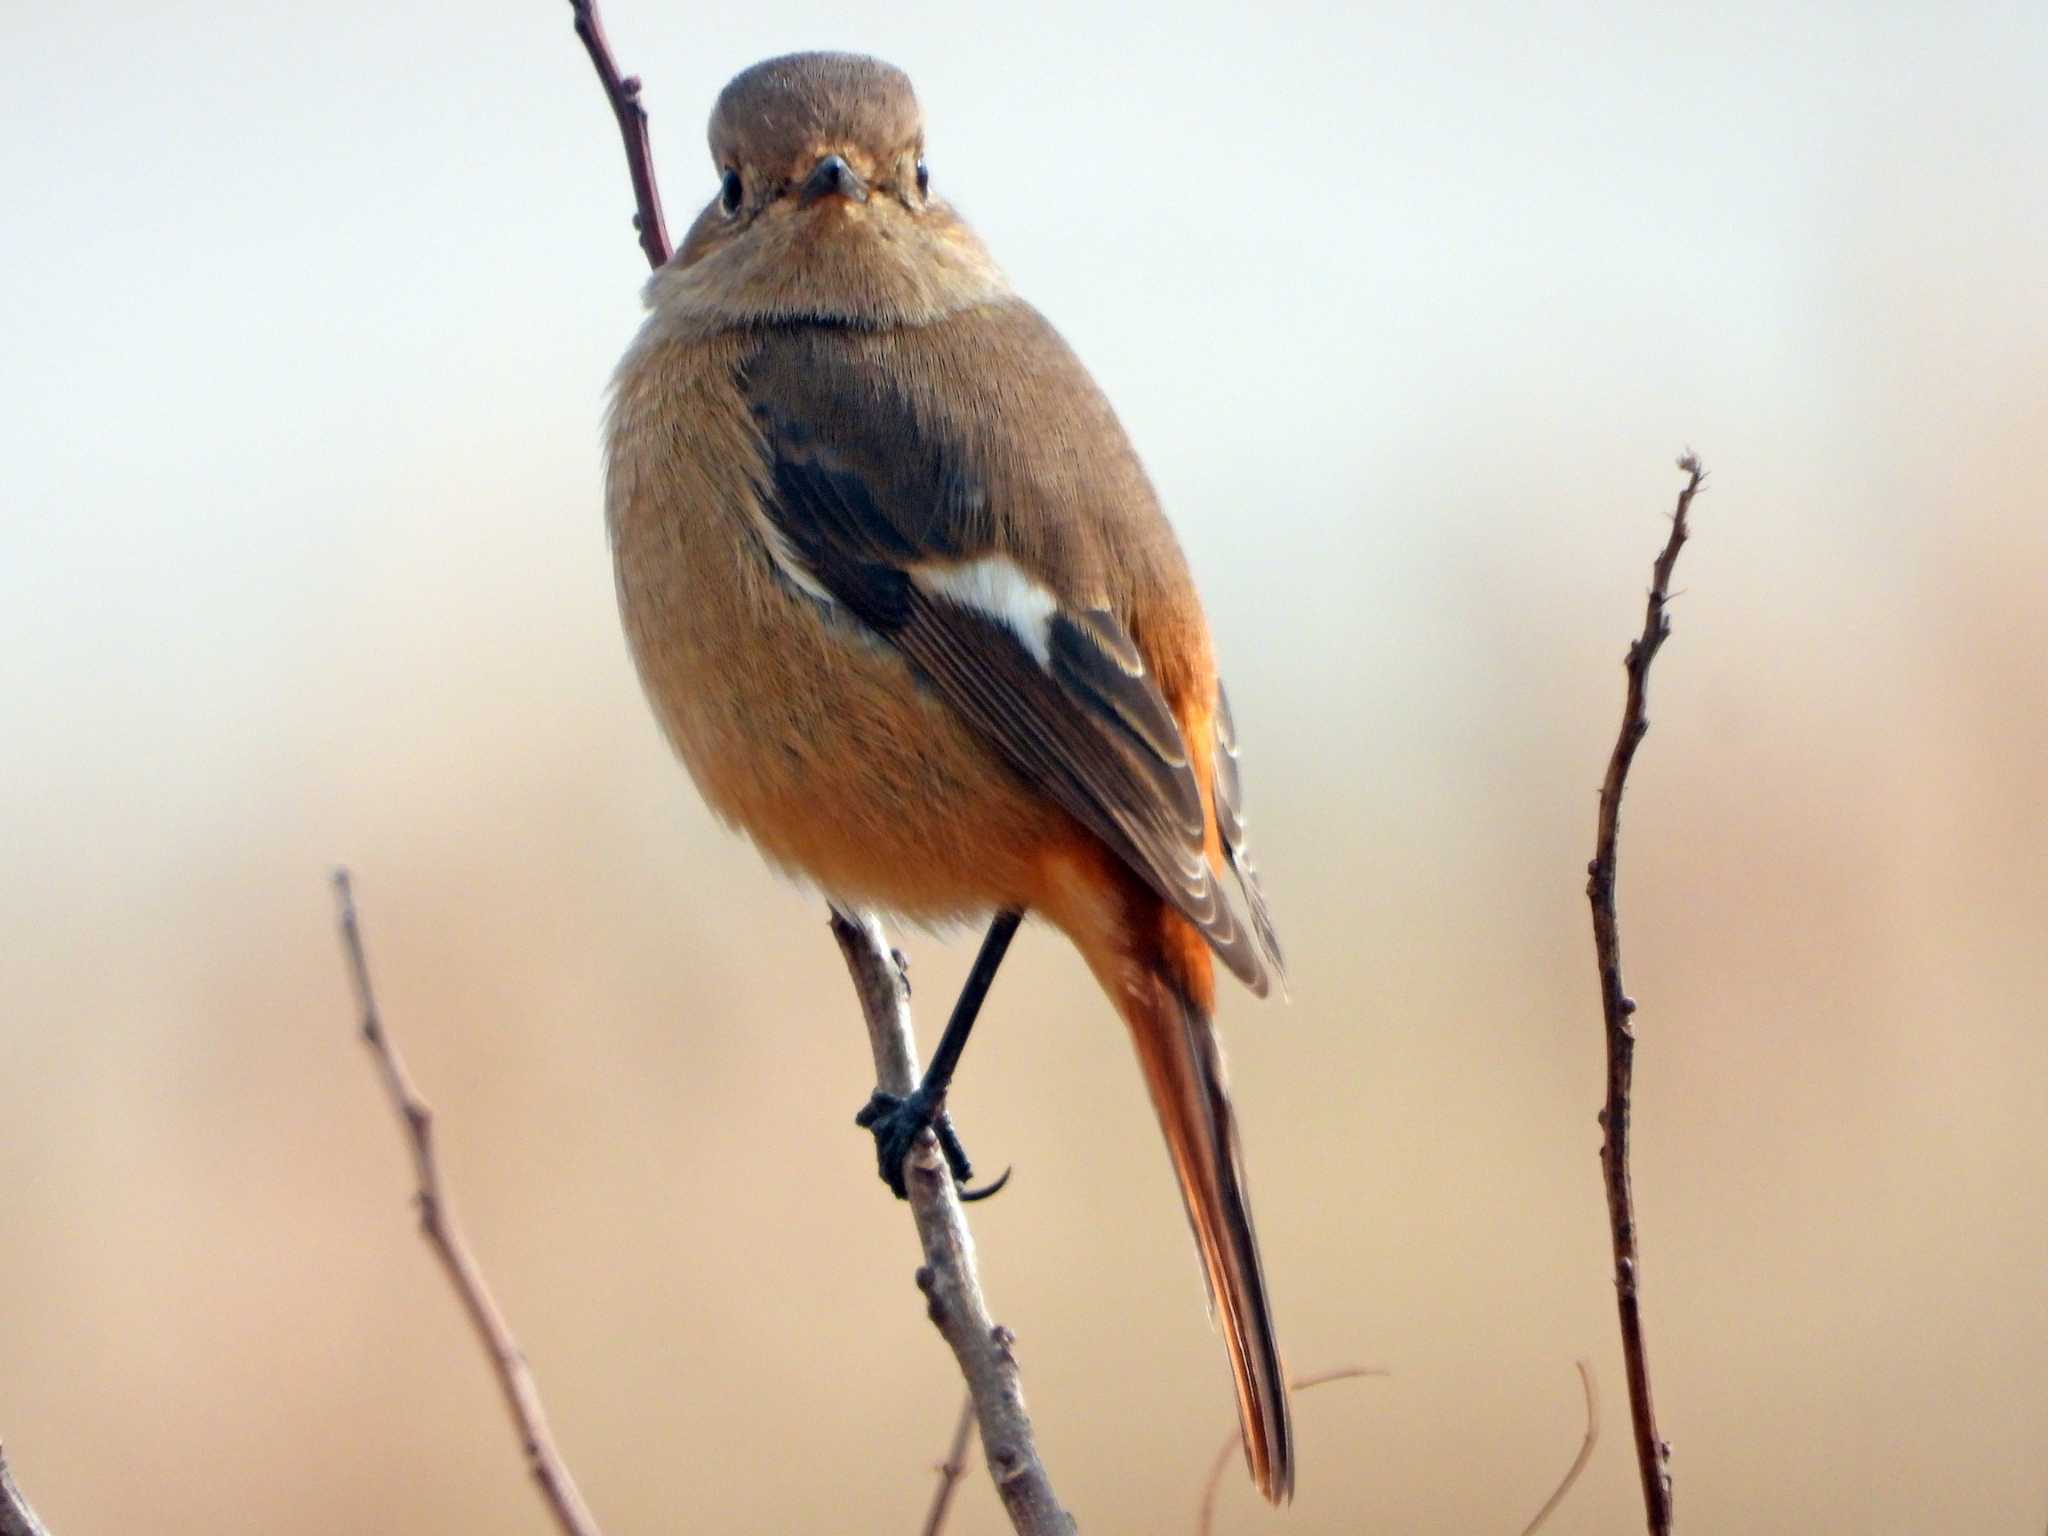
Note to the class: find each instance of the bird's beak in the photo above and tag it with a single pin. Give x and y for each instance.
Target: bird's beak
(832, 175)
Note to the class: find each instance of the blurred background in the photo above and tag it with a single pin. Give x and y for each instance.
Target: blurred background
(1410, 309)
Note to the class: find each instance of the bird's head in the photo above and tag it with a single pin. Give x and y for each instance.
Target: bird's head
(825, 206)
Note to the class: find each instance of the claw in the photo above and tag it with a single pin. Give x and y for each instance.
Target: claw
(896, 1120)
(878, 1105)
(970, 1195)
(949, 1146)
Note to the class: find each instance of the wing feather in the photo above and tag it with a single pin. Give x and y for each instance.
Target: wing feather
(1228, 792)
(866, 500)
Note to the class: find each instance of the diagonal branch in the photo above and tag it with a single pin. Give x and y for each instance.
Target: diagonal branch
(16, 1518)
(438, 1227)
(952, 1288)
(1653, 1455)
(623, 92)
(950, 1470)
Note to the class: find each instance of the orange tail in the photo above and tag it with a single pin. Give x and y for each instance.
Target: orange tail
(1166, 999)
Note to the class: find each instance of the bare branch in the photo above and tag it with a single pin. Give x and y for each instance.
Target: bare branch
(1653, 1455)
(623, 92)
(438, 1226)
(1571, 1473)
(1205, 1518)
(948, 1278)
(951, 1469)
(16, 1518)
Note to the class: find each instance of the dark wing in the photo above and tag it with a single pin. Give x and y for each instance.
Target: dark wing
(891, 519)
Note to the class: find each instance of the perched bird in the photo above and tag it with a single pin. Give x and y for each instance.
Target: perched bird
(907, 608)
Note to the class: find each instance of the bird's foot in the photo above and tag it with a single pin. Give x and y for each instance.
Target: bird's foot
(896, 1120)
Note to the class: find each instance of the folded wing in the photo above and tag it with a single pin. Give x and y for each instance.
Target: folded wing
(889, 518)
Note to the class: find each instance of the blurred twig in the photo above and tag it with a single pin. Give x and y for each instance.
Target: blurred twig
(1653, 1455)
(951, 1469)
(1205, 1518)
(438, 1227)
(16, 1518)
(1571, 1473)
(948, 1278)
(623, 92)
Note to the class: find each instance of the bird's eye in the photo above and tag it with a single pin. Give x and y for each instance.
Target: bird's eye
(924, 178)
(730, 192)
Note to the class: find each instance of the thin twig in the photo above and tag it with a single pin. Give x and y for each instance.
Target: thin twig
(1205, 1518)
(1571, 1473)
(1653, 1455)
(950, 1469)
(438, 1226)
(16, 1518)
(623, 92)
(952, 1288)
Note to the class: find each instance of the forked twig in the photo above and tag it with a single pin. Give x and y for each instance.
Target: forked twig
(951, 1286)
(438, 1226)
(623, 92)
(1653, 1455)
(1205, 1518)
(1571, 1473)
(951, 1469)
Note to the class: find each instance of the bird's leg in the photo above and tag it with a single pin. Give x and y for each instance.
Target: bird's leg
(896, 1119)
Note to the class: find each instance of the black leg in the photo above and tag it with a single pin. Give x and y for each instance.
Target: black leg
(896, 1120)
(946, 1059)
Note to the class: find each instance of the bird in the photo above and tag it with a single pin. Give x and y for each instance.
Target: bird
(904, 602)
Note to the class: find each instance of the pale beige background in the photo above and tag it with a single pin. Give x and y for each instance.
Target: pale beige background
(309, 314)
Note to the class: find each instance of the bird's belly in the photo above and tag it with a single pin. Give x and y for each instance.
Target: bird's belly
(817, 739)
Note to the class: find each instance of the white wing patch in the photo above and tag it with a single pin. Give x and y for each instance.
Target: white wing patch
(784, 554)
(997, 586)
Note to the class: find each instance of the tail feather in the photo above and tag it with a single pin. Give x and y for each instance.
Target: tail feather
(1167, 1007)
